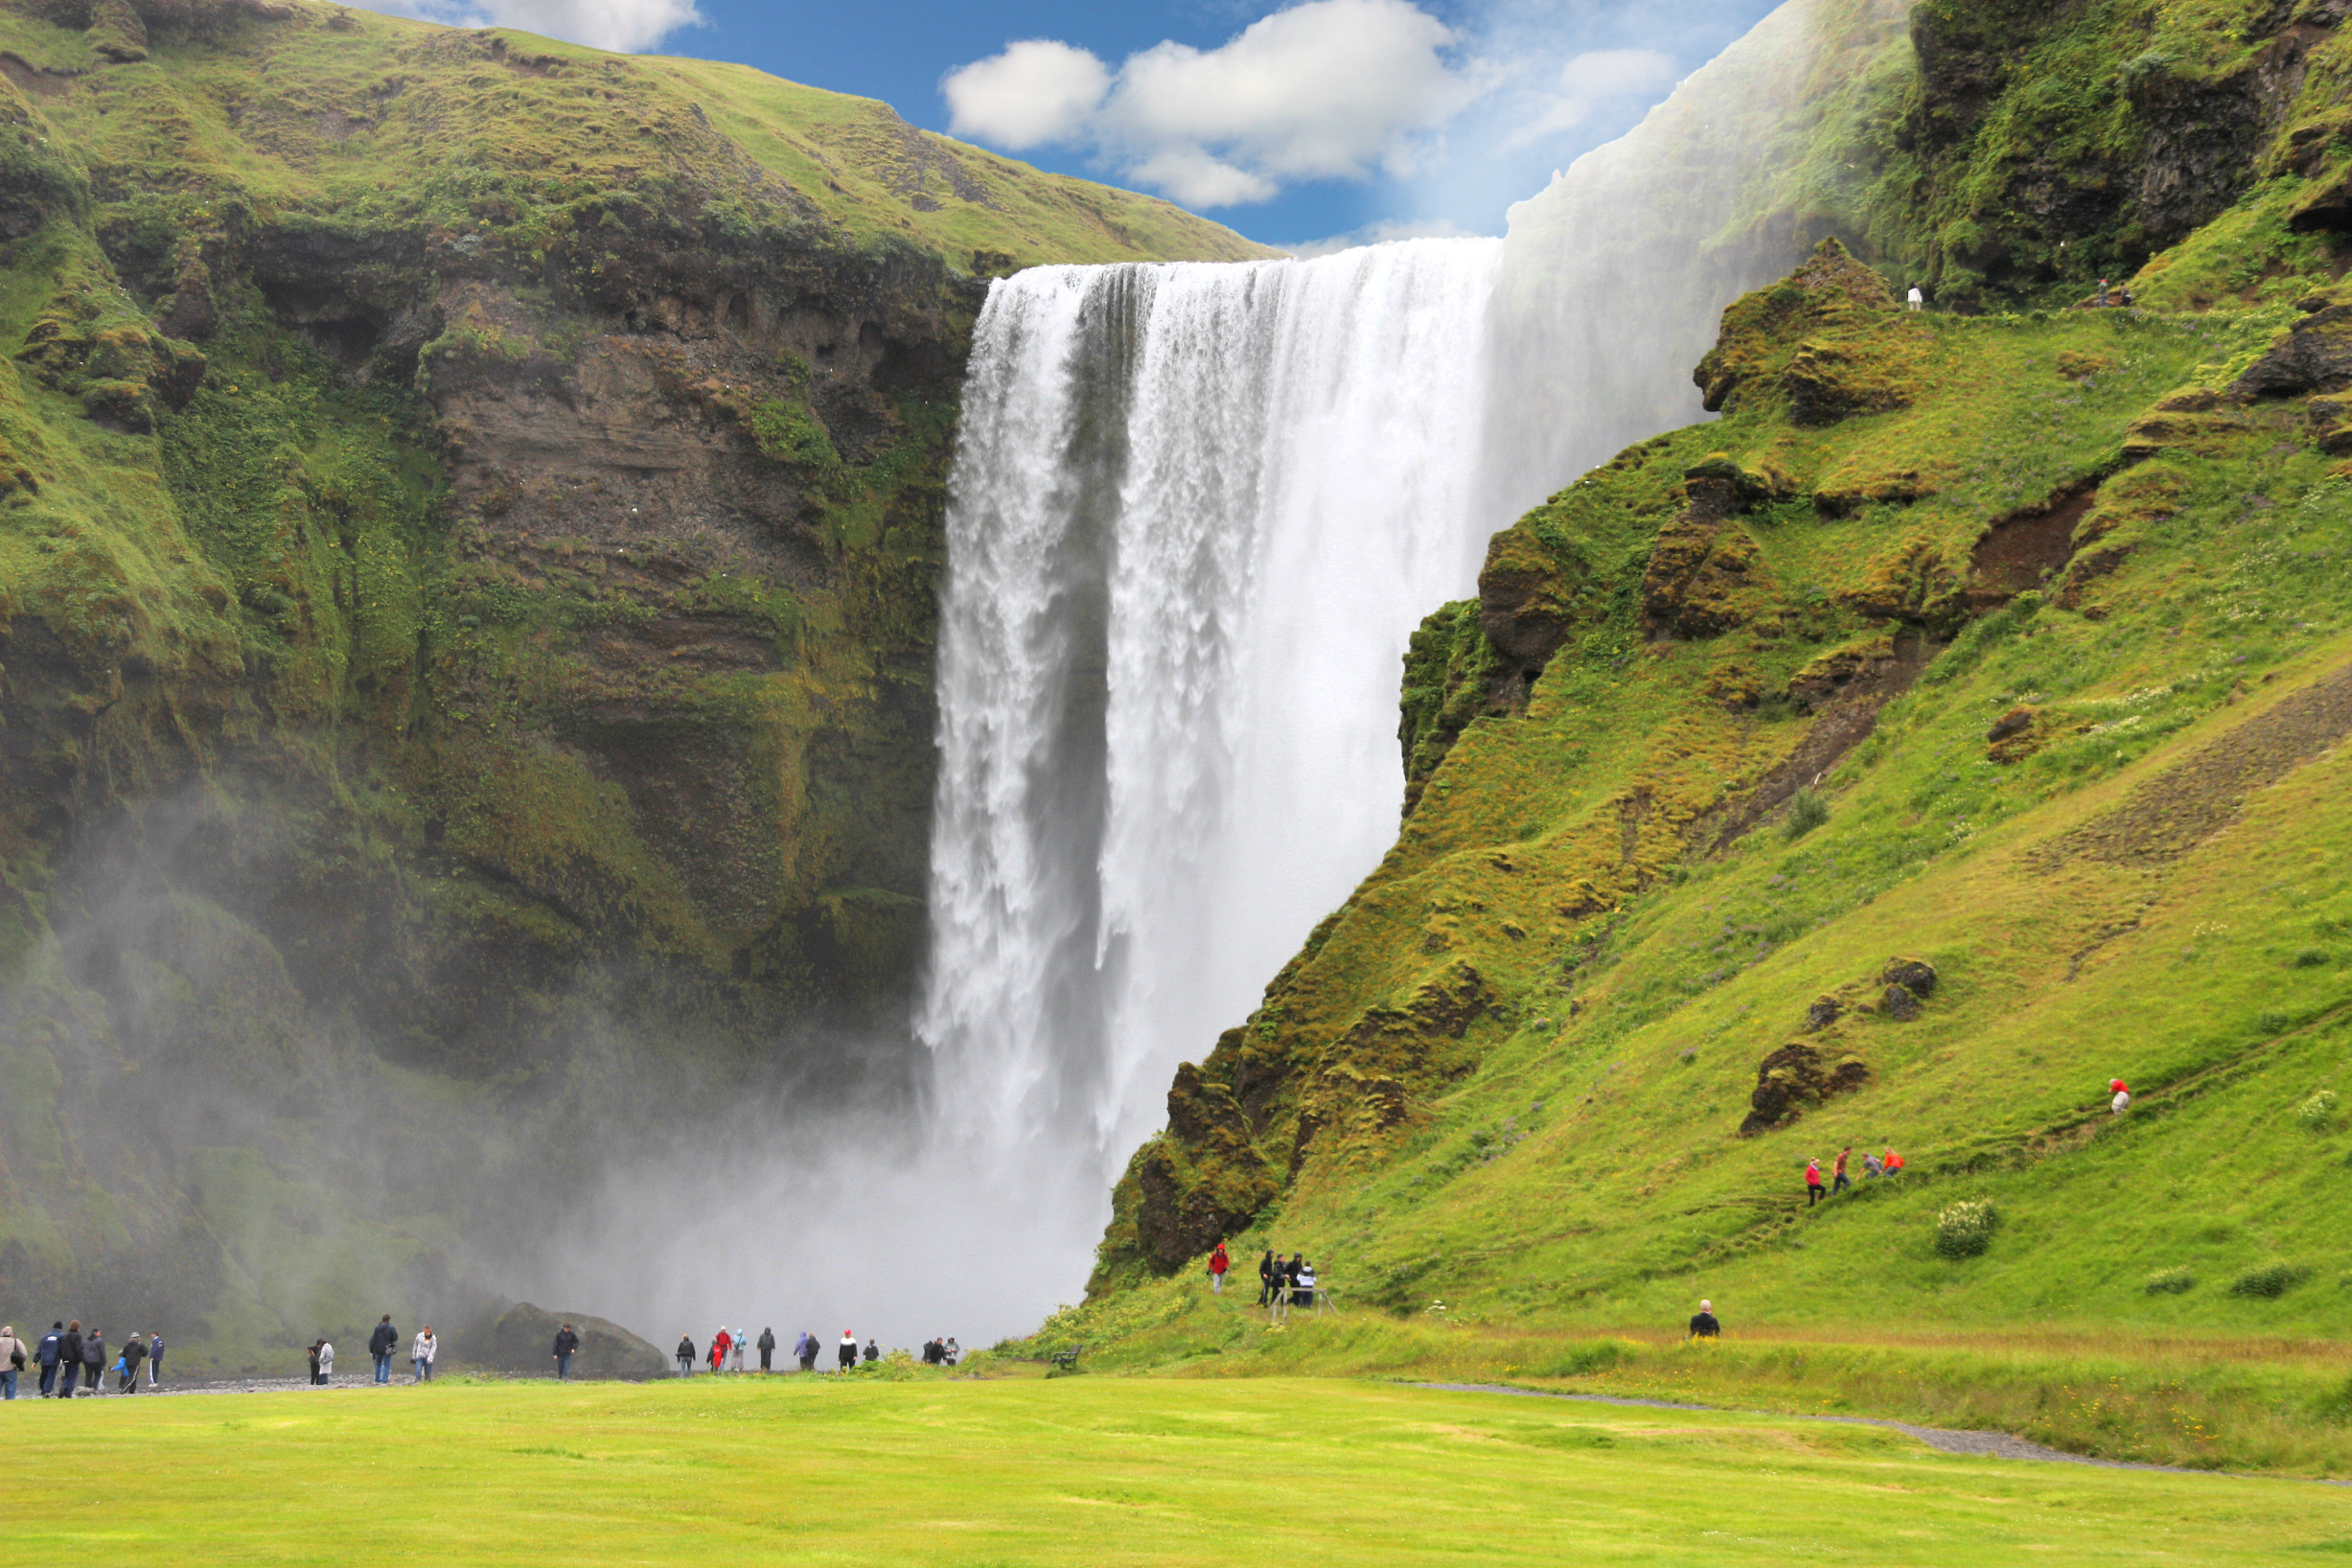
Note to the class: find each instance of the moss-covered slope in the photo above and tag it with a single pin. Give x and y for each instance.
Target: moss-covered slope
(1949, 728)
(469, 513)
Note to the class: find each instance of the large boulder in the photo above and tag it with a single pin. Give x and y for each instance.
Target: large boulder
(521, 1340)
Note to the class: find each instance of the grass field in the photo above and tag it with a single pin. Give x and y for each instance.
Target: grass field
(1075, 1470)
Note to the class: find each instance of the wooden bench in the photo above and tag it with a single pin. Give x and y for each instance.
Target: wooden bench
(1069, 1357)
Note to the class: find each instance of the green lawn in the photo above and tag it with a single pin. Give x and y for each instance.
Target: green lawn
(1075, 1470)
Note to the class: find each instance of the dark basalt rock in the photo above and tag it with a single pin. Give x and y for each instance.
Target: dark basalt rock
(1793, 1078)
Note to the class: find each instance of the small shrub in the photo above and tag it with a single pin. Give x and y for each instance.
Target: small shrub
(1584, 1360)
(2173, 1281)
(2316, 1111)
(2270, 1282)
(2312, 958)
(1965, 1230)
(1807, 811)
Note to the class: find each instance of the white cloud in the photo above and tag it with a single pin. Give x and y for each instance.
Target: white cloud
(623, 25)
(1381, 233)
(1037, 91)
(1591, 80)
(1331, 89)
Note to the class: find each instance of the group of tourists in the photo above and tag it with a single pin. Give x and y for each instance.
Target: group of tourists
(383, 1339)
(70, 1359)
(1280, 1284)
(727, 1347)
(1873, 1165)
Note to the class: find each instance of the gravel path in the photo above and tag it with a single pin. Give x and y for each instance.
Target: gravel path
(1944, 1440)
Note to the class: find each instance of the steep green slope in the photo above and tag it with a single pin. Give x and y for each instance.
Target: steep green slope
(1949, 728)
(471, 524)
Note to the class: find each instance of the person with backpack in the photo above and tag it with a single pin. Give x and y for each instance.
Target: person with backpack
(767, 1349)
(94, 1361)
(46, 1355)
(1218, 1263)
(380, 1343)
(806, 1350)
(135, 1351)
(685, 1356)
(566, 1346)
(421, 1353)
(12, 1360)
(154, 1359)
(1812, 1182)
(847, 1351)
(69, 1359)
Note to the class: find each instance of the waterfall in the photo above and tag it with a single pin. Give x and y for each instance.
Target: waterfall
(1197, 511)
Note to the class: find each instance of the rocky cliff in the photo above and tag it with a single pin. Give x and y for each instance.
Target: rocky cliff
(473, 516)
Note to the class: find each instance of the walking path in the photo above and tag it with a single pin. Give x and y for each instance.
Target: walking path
(1944, 1440)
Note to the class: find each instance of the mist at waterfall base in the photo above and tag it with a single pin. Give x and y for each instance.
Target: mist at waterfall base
(1196, 514)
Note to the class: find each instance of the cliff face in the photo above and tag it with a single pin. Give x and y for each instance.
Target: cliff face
(466, 604)
(1938, 735)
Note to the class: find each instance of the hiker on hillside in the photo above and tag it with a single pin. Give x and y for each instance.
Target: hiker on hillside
(2101, 293)
(685, 1356)
(154, 1359)
(1919, 301)
(421, 1353)
(807, 1350)
(566, 1346)
(382, 1340)
(1892, 1160)
(1303, 1281)
(1266, 1271)
(1703, 1325)
(2122, 1101)
(767, 1348)
(847, 1350)
(1218, 1263)
(14, 1359)
(326, 1361)
(874, 1353)
(1873, 1167)
(134, 1353)
(1842, 1181)
(69, 1359)
(1812, 1182)
(46, 1355)
(94, 1361)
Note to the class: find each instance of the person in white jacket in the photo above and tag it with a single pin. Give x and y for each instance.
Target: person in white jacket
(421, 1353)
(326, 1360)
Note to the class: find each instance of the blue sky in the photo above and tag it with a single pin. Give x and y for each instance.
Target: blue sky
(1297, 123)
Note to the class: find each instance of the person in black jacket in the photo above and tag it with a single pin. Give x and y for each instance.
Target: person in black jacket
(685, 1356)
(69, 1359)
(94, 1360)
(1703, 1325)
(1266, 1270)
(46, 1355)
(381, 1344)
(567, 1344)
(808, 1349)
(767, 1348)
(135, 1351)
(873, 1352)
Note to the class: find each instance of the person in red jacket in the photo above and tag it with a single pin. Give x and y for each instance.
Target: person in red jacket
(718, 1350)
(1812, 1182)
(1218, 1263)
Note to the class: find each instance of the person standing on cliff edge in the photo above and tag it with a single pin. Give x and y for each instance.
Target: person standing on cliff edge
(1218, 1263)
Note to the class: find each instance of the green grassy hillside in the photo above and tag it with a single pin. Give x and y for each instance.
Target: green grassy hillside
(1949, 729)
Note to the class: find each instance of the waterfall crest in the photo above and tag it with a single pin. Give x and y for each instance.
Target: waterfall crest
(1197, 512)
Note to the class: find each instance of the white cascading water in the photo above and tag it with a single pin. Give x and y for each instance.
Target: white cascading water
(1197, 512)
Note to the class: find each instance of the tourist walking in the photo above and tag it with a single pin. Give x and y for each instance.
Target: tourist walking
(1703, 1325)
(1218, 1263)
(566, 1346)
(154, 1359)
(767, 1348)
(380, 1343)
(69, 1359)
(955, 1351)
(135, 1351)
(807, 1351)
(12, 1360)
(326, 1361)
(46, 1355)
(847, 1350)
(1919, 301)
(1842, 1181)
(1265, 1279)
(421, 1353)
(874, 1353)
(2122, 1101)
(718, 1351)
(735, 1351)
(1892, 1160)
(685, 1356)
(1812, 1182)
(94, 1361)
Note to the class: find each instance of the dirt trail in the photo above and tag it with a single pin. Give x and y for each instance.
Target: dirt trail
(1944, 1440)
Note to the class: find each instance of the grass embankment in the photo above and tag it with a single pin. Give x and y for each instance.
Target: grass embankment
(1091, 1471)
